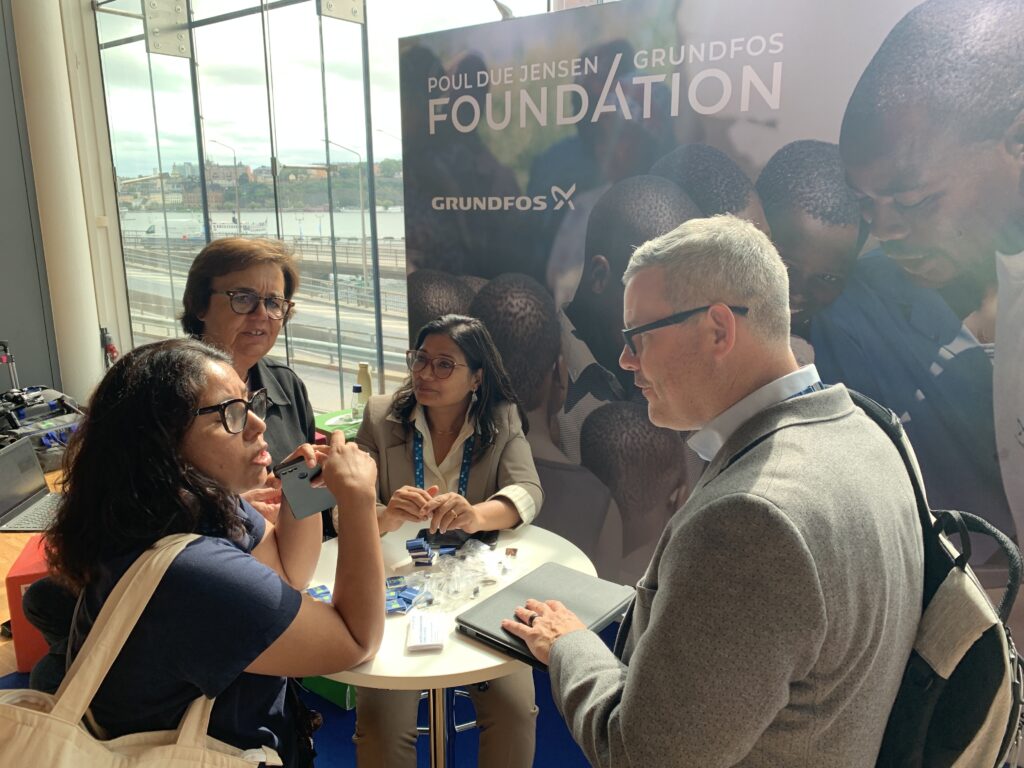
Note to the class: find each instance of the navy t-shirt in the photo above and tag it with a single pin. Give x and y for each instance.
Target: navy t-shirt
(216, 609)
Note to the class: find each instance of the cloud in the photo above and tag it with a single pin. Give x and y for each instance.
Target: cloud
(232, 83)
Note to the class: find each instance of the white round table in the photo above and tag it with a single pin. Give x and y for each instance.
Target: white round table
(462, 661)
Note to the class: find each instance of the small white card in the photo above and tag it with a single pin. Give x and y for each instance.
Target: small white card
(426, 632)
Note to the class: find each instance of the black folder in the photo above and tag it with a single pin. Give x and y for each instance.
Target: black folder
(597, 603)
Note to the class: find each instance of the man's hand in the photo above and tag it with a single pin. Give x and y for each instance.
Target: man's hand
(540, 624)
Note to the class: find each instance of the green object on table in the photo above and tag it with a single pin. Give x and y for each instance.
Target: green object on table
(342, 694)
(335, 420)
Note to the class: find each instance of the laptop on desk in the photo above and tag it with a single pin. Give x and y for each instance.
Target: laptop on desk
(26, 503)
(595, 601)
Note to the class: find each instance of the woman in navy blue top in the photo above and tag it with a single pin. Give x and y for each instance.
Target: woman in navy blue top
(172, 437)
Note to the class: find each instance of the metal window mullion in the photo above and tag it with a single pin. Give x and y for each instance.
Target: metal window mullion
(330, 213)
(117, 190)
(160, 175)
(269, 74)
(193, 24)
(371, 188)
(197, 110)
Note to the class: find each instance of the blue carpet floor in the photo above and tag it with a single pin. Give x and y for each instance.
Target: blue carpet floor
(14, 680)
(555, 746)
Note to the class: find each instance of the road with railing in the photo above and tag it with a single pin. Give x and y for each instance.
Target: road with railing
(156, 270)
(314, 253)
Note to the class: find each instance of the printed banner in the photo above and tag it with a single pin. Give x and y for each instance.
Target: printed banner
(539, 152)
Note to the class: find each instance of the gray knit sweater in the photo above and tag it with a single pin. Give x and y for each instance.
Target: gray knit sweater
(774, 622)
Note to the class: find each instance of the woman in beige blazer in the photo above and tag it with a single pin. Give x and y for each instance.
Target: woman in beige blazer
(451, 453)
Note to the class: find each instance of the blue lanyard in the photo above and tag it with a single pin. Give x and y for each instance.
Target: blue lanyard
(467, 459)
(815, 387)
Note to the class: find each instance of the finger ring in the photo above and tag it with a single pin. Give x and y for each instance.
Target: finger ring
(533, 618)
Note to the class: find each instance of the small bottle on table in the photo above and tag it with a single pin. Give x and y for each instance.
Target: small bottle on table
(357, 403)
(365, 381)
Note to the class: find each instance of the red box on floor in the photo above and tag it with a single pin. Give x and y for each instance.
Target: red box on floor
(29, 645)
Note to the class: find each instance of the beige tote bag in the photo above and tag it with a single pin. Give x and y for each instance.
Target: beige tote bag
(40, 730)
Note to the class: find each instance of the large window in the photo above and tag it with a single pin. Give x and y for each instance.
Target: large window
(262, 132)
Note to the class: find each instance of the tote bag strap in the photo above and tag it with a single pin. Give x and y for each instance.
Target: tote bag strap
(117, 618)
(195, 723)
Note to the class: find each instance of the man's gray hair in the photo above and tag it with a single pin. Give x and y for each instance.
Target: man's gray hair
(721, 259)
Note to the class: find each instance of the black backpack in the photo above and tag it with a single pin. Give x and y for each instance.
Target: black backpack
(959, 703)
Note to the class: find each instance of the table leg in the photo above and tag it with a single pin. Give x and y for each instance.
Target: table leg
(440, 746)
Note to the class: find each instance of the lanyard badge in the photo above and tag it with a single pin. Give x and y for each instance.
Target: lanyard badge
(467, 458)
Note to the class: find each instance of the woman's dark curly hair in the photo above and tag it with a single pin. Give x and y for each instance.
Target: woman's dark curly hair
(126, 484)
(471, 336)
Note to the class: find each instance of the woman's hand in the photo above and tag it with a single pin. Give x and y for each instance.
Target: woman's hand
(406, 504)
(450, 510)
(349, 474)
(313, 454)
(266, 499)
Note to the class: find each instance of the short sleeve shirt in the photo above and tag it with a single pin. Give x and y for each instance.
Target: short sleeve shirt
(216, 609)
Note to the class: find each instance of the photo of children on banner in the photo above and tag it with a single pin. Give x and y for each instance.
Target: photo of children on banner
(521, 317)
(911, 324)
(924, 363)
(713, 181)
(432, 294)
(632, 211)
(647, 470)
(817, 227)
(933, 145)
(815, 224)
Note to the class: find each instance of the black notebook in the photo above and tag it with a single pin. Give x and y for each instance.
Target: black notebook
(597, 603)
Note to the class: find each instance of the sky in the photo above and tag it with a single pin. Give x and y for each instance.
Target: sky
(233, 92)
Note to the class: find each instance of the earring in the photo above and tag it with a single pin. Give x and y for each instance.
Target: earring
(473, 399)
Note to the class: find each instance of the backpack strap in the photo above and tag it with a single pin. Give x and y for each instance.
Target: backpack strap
(889, 423)
(977, 524)
(946, 522)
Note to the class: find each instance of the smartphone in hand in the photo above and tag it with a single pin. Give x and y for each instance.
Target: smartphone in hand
(303, 498)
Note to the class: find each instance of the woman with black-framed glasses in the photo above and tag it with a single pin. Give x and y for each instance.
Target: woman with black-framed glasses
(238, 297)
(170, 440)
(451, 453)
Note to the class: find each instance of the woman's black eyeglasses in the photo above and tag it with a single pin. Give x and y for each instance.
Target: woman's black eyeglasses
(234, 414)
(629, 334)
(245, 303)
(441, 366)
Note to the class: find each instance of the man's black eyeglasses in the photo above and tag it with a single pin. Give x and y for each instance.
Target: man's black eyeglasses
(245, 303)
(441, 366)
(234, 414)
(629, 334)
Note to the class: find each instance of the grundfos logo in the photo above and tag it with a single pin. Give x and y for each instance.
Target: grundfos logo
(556, 200)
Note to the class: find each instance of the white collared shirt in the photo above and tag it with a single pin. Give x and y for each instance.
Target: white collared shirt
(709, 441)
(446, 474)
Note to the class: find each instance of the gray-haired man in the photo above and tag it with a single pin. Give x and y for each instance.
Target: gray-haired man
(778, 612)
